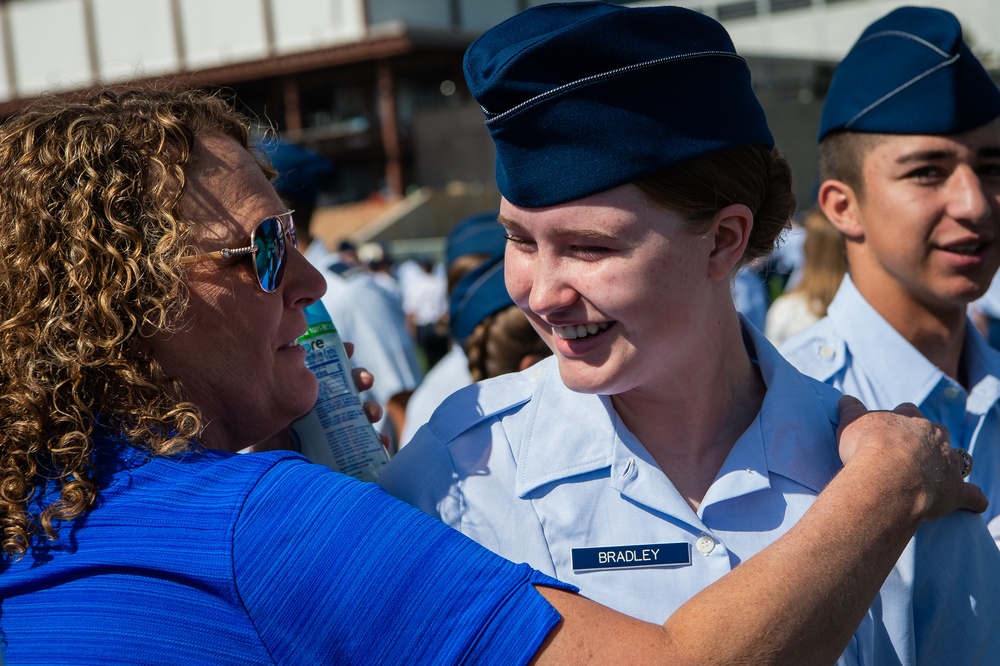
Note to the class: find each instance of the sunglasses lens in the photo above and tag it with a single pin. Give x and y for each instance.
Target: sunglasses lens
(270, 256)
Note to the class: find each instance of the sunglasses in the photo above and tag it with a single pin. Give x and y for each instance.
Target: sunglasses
(267, 245)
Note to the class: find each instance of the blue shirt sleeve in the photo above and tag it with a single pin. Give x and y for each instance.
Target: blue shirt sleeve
(334, 570)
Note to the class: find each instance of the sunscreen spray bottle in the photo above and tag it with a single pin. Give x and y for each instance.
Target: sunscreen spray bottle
(336, 433)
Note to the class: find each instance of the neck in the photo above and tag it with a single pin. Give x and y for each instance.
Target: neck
(690, 423)
(937, 333)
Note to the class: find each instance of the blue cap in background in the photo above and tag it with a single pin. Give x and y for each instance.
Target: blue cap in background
(300, 171)
(478, 234)
(479, 294)
(583, 97)
(910, 72)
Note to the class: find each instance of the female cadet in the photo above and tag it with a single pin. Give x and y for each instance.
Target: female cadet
(667, 441)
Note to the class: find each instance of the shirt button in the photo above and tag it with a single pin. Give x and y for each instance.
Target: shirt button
(629, 470)
(951, 392)
(705, 544)
(826, 351)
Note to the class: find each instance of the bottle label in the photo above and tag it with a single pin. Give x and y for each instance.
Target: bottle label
(337, 432)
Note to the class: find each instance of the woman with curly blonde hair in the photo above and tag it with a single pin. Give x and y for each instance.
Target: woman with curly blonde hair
(79, 284)
(151, 298)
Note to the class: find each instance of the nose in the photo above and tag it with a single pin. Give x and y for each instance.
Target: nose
(303, 283)
(968, 200)
(550, 289)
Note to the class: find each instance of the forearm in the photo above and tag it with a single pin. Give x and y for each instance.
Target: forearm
(800, 599)
(797, 601)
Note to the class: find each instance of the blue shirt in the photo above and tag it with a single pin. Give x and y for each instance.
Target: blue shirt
(857, 351)
(212, 558)
(535, 472)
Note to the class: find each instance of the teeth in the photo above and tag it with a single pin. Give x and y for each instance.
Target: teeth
(580, 331)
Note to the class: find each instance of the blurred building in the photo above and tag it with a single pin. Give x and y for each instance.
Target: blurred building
(377, 87)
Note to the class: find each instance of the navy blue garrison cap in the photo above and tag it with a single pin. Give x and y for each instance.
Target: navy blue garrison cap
(910, 72)
(583, 97)
(300, 171)
(478, 234)
(477, 295)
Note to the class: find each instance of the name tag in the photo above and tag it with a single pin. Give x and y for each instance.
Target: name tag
(628, 557)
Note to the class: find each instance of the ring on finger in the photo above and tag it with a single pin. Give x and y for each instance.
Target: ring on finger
(966, 462)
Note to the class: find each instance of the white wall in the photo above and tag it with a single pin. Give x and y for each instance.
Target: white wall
(220, 32)
(309, 24)
(138, 38)
(48, 38)
(134, 38)
(827, 32)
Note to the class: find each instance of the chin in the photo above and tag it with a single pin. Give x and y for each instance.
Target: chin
(300, 398)
(581, 378)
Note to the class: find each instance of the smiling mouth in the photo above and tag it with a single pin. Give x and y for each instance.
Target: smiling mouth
(967, 249)
(581, 330)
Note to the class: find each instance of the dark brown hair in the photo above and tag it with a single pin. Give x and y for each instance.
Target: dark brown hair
(842, 156)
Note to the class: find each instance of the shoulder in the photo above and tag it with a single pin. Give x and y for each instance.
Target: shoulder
(195, 482)
(484, 401)
(332, 544)
(819, 351)
(458, 441)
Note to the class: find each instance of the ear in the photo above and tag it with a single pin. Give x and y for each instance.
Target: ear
(840, 205)
(730, 232)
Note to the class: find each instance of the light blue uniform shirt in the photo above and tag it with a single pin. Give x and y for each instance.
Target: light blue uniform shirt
(857, 351)
(533, 471)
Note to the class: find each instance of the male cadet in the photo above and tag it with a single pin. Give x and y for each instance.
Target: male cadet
(910, 171)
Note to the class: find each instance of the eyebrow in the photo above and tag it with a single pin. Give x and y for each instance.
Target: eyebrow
(926, 156)
(581, 233)
(987, 152)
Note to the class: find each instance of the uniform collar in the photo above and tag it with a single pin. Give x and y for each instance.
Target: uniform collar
(566, 433)
(982, 363)
(880, 349)
(798, 419)
(792, 436)
(980, 359)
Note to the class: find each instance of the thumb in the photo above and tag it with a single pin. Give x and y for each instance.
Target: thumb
(973, 498)
(849, 409)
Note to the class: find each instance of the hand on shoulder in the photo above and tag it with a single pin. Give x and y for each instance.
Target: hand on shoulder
(907, 453)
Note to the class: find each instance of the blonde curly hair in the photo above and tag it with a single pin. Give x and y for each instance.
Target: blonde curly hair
(90, 241)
